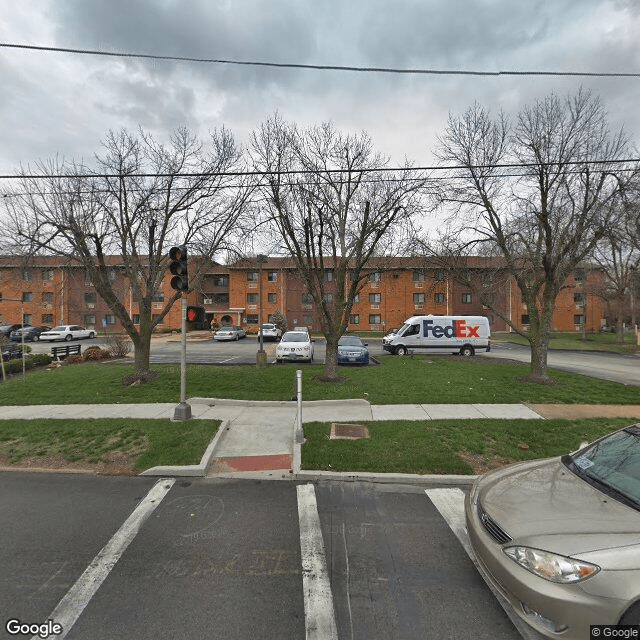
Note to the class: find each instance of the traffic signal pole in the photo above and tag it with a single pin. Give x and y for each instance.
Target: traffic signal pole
(180, 282)
(183, 410)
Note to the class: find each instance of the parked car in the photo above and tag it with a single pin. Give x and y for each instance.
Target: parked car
(67, 332)
(11, 351)
(295, 345)
(270, 331)
(31, 334)
(351, 350)
(560, 538)
(6, 329)
(228, 332)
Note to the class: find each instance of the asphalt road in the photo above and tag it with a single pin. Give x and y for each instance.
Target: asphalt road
(224, 559)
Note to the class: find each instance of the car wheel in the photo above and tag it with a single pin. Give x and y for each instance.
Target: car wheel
(35, 338)
(91, 335)
(68, 337)
(631, 615)
(401, 350)
(467, 351)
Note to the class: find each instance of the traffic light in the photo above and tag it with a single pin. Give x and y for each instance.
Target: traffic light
(178, 267)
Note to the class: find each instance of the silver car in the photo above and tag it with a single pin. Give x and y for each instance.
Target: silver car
(560, 538)
(295, 345)
(229, 333)
(270, 331)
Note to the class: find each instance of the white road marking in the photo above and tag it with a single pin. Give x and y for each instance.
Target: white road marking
(76, 599)
(320, 623)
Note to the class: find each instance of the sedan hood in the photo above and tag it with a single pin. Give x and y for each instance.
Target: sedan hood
(544, 505)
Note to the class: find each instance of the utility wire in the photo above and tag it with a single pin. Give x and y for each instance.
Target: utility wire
(280, 172)
(322, 67)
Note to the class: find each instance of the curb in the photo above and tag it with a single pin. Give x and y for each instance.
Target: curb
(193, 470)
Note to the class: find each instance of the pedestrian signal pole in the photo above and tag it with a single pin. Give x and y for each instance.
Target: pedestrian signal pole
(180, 282)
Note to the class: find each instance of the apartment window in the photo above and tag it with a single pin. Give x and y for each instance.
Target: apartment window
(90, 297)
(418, 275)
(221, 281)
(109, 319)
(27, 296)
(252, 276)
(252, 298)
(418, 298)
(328, 275)
(272, 276)
(578, 318)
(439, 298)
(47, 318)
(307, 298)
(375, 298)
(47, 297)
(88, 280)
(375, 318)
(136, 318)
(356, 298)
(466, 298)
(253, 319)
(47, 275)
(27, 275)
(272, 298)
(90, 319)
(157, 297)
(329, 298)
(524, 318)
(354, 318)
(221, 298)
(439, 275)
(580, 275)
(308, 320)
(26, 318)
(375, 277)
(579, 298)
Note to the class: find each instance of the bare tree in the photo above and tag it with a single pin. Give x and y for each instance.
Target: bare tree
(334, 208)
(539, 193)
(142, 197)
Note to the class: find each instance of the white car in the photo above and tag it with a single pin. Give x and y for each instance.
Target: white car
(295, 345)
(270, 331)
(67, 332)
(229, 333)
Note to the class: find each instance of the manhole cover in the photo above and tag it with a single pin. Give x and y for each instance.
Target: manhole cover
(344, 431)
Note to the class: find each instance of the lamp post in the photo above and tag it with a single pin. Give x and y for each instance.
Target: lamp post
(261, 356)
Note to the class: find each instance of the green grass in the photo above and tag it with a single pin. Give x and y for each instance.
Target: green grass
(147, 443)
(397, 380)
(574, 341)
(437, 446)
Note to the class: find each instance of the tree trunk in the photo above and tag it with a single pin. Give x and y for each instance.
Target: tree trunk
(331, 359)
(539, 349)
(142, 351)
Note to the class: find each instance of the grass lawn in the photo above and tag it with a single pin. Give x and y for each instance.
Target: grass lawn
(448, 446)
(412, 379)
(122, 446)
(574, 341)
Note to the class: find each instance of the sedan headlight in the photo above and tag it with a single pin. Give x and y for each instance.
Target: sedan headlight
(551, 566)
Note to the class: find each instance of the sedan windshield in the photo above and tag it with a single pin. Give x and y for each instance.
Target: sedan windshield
(350, 341)
(59, 329)
(612, 464)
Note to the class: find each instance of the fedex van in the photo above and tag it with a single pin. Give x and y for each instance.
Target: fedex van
(445, 334)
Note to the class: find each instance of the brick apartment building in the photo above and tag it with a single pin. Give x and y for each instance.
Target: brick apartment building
(49, 292)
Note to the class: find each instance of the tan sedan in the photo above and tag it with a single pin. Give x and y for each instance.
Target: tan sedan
(560, 538)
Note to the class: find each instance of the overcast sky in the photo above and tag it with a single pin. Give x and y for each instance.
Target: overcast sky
(62, 104)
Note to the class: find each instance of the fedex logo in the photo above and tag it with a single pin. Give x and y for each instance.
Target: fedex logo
(457, 329)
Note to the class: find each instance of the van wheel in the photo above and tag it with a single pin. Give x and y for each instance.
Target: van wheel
(401, 350)
(467, 351)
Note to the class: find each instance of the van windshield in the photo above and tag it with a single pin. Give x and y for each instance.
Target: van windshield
(403, 329)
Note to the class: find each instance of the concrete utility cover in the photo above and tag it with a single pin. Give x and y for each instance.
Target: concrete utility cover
(344, 431)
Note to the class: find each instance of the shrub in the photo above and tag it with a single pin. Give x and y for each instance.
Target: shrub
(118, 345)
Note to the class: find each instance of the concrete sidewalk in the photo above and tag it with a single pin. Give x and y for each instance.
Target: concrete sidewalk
(263, 438)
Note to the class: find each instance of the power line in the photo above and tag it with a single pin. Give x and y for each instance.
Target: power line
(286, 172)
(322, 67)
